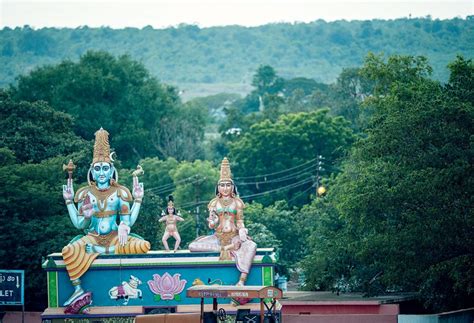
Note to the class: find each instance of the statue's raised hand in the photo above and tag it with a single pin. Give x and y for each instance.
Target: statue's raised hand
(137, 189)
(212, 219)
(68, 190)
(123, 231)
(87, 207)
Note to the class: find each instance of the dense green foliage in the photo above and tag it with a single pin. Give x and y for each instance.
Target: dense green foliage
(289, 142)
(119, 95)
(396, 149)
(36, 141)
(34, 131)
(189, 54)
(399, 216)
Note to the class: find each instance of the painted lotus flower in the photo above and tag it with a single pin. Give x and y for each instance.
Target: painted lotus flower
(165, 286)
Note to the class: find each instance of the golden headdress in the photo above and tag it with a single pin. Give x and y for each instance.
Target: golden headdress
(101, 147)
(226, 175)
(170, 201)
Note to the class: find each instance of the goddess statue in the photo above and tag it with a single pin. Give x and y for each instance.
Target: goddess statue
(98, 206)
(171, 224)
(226, 217)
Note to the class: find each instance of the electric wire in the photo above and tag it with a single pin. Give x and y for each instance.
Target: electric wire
(279, 179)
(300, 194)
(279, 172)
(307, 180)
(272, 191)
(171, 186)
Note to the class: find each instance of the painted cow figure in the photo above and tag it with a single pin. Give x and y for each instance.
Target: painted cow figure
(127, 290)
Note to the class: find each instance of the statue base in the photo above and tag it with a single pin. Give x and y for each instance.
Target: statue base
(81, 305)
(152, 282)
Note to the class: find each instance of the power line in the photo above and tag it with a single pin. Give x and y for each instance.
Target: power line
(279, 172)
(300, 194)
(193, 204)
(287, 187)
(280, 179)
(171, 186)
(307, 180)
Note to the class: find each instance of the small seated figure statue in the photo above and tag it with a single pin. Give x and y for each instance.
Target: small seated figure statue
(171, 228)
(226, 217)
(98, 206)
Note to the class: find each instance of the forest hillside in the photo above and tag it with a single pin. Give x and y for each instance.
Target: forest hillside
(205, 61)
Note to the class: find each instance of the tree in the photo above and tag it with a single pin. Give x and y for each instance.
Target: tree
(405, 192)
(291, 141)
(100, 90)
(195, 184)
(266, 81)
(181, 134)
(349, 91)
(158, 185)
(224, 55)
(287, 228)
(35, 215)
(397, 69)
(304, 84)
(330, 259)
(34, 131)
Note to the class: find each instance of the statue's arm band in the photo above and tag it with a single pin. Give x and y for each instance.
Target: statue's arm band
(68, 202)
(125, 219)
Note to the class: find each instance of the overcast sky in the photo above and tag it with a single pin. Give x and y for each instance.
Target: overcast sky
(165, 13)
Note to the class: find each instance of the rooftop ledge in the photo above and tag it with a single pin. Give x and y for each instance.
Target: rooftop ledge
(55, 261)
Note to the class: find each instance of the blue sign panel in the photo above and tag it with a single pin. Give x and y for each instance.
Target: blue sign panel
(12, 284)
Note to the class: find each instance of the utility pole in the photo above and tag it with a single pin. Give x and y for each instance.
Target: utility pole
(319, 167)
(197, 198)
(197, 221)
(197, 194)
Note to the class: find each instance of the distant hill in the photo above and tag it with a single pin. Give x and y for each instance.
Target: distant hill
(209, 60)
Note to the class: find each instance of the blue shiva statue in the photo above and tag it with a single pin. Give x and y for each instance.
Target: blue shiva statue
(98, 206)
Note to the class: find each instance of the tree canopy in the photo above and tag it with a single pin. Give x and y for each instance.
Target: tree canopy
(292, 142)
(405, 191)
(187, 54)
(392, 145)
(101, 90)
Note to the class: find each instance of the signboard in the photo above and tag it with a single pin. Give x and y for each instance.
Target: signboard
(223, 291)
(12, 284)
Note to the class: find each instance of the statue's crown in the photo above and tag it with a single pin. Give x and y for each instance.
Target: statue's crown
(101, 147)
(170, 201)
(226, 175)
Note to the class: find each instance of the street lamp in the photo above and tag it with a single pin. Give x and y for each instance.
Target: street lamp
(321, 190)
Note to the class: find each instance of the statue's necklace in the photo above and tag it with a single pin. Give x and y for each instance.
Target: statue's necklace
(102, 196)
(225, 202)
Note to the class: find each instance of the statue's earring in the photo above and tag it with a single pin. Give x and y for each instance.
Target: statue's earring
(114, 176)
(89, 177)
